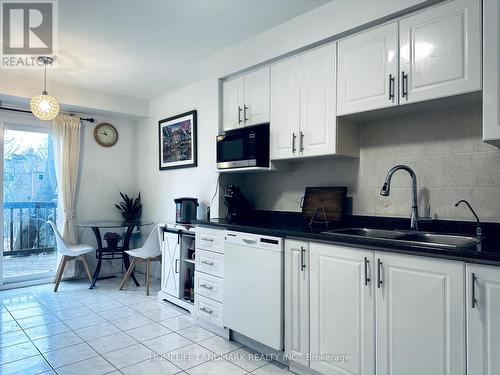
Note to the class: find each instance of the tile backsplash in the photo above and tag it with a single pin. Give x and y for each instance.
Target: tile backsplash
(443, 147)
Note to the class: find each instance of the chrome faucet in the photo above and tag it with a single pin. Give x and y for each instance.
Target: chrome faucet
(386, 189)
(479, 230)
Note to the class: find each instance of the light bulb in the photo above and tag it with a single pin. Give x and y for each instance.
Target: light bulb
(44, 106)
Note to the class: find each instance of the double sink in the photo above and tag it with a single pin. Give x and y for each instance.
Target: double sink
(412, 238)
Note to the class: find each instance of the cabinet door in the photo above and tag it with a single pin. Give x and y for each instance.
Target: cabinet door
(232, 103)
(368, 70)
(420, 316)
(342, 310)
(317, 135)
(297, 301)
(440, 51)
(491, 69)
(285, 101)
(483, 320)
(256, 103)
(170, 264)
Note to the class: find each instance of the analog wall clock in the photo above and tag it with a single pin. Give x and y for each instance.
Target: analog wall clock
(106, 134)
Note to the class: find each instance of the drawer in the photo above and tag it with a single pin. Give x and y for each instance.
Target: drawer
(210, 239)
(208, 286)
(208, 310)
(209, 262)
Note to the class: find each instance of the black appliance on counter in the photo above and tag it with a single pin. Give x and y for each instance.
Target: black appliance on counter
(237, 205)
(245, 147)
(185, 210)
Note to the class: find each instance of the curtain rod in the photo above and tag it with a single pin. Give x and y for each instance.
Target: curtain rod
(89, 119)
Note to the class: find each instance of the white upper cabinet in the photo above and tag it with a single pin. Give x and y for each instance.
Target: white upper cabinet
(297, 301)
(256, 105)
(303, 110)
(342, 310)
(285, 111)
(368, 70)
(483, 320)
(246, 100)
(491, 72)
(440, 51)
(233, 92)
(420, 316)
(317, 102)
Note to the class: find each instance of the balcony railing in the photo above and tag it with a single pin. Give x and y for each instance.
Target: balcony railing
(24, 229)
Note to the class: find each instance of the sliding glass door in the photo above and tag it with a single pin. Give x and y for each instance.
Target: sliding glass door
(29, 200)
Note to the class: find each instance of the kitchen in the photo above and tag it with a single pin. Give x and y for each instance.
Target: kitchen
(323, 194)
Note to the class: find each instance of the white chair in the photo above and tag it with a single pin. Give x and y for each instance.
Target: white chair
(150, 251)
(69, 252)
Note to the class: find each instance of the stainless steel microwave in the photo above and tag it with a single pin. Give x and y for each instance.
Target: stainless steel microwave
(244, 147)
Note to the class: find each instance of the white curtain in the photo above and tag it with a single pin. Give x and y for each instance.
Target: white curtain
(66, 131)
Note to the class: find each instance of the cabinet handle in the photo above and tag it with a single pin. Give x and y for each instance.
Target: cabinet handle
(301, 143)
(177, 266)
(391, 87)
(207, 239)
(206, 286)
(379, 271)
(239, 115)
(367, 263)
(207, 262)
(474, 300)
(293, 142)
(404, 85)
(302, 258)
(207, 310)
(245, 107)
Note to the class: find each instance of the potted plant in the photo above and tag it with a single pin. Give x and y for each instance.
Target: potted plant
(112, 240)
(130, 208)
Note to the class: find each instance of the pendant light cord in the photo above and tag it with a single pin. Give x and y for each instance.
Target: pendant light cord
(45, 79)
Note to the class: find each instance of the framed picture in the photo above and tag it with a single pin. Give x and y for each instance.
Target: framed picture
(177, 137)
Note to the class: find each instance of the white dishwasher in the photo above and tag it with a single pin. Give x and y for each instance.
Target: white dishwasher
(253, 287)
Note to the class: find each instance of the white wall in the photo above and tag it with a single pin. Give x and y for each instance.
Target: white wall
(17, 88)
(104, 171)
(161, 187)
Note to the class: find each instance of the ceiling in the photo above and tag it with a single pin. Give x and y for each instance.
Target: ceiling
(145, 48)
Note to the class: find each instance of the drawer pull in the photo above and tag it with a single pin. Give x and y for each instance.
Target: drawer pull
(207, 239)
(204, 309)
(207, 262)
(206, 286)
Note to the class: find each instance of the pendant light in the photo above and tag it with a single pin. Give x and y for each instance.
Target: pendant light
(44, 106)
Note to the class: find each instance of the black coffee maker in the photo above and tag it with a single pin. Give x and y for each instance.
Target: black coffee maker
(237, 204)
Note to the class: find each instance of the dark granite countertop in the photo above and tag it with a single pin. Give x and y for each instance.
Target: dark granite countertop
(291, 225)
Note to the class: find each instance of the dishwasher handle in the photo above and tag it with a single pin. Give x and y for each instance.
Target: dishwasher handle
(249, 241)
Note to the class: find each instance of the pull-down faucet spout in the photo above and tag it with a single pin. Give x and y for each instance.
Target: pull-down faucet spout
(386, 189)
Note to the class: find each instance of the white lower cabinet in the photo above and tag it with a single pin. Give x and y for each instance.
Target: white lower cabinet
(483, 320)
(209, 275)
(380, 313)
(297, 301)
(170, 264)
(342, 310)
(420, 315)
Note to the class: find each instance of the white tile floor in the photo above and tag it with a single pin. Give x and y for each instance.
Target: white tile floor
(106, 331)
